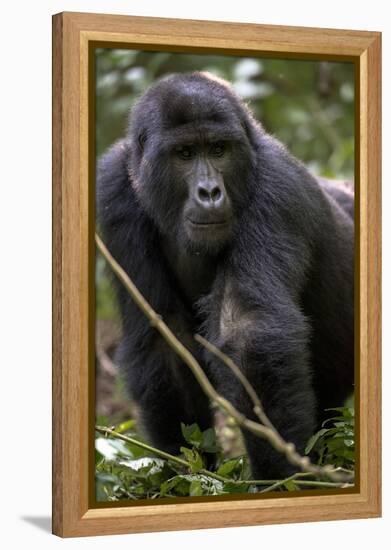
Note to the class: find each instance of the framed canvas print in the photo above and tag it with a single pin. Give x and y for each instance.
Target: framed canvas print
(216, 274)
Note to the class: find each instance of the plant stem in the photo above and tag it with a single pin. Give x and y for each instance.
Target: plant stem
(281, 482)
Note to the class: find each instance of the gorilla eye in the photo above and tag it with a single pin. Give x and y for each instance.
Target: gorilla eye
(142, 138)
(185, 152)
(217, 149)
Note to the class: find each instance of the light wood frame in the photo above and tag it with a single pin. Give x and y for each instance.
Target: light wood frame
(72, 340)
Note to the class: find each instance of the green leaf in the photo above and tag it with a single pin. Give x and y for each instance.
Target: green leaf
(195, 488)
(338, 421)
(313, 440)
(194, 458)
(111, 448)
(192, 434)
(229, 466)
(99, 458)
(144, 466)
(236, 488)
(170, 484)
(209, 441)
(290, 485)
(178, 485)
(126, 426)
(346, 415)
(106, 478)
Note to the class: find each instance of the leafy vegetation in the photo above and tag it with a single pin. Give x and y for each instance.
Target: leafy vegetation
(124, 470)
(334, 442)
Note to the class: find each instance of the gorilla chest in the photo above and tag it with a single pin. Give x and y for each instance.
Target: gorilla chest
(193, 273)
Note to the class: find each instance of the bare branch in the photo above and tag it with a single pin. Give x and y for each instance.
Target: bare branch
(258, 409)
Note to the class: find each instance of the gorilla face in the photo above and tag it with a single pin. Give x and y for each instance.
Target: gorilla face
(191, 158)
(207, 211)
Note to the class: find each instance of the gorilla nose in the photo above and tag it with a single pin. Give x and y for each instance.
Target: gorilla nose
(209, 194)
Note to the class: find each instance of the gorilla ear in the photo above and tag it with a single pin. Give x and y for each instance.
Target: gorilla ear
(142, 138)
(248, 126)
(251, 126)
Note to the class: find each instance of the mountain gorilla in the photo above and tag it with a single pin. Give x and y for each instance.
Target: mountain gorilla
(227, 235)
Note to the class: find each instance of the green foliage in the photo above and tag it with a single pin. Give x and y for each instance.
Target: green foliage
(126, 471)
(204, 441)
(105, 295)
(334, 443)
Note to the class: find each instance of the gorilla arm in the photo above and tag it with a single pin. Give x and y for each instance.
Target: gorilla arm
(165, 392)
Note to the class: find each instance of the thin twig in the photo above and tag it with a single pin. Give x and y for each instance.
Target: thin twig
(258, 409)
(320, 484)
(274, 438)
(306, 483)
(281, 482)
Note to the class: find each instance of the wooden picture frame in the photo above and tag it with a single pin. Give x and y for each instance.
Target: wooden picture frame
(74, 37)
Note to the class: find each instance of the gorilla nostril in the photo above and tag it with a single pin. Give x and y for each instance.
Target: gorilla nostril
(215, 194)
(203, 194)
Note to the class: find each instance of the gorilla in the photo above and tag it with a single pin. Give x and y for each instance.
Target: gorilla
(227, 235)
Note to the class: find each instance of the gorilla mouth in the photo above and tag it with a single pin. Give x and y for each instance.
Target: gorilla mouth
(206, 224)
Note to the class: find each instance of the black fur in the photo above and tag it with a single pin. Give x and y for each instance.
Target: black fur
(274, 290)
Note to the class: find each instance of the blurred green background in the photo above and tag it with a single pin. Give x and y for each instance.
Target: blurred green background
(308, 105)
